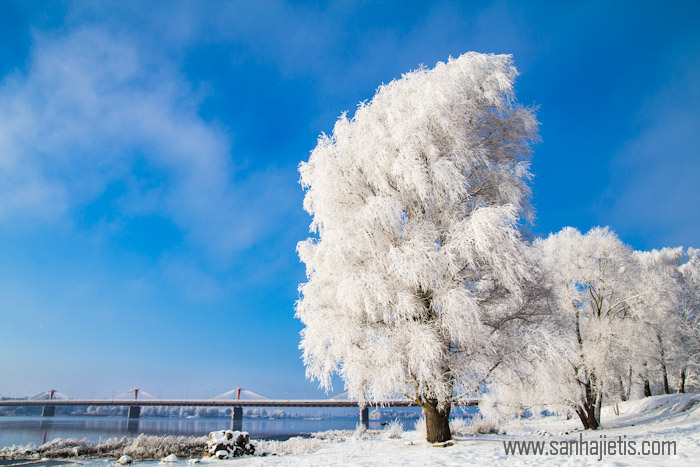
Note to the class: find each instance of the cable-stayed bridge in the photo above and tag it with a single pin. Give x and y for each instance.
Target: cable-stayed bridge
(236, 399)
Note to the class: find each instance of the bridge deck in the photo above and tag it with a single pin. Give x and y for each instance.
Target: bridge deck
(217, 403)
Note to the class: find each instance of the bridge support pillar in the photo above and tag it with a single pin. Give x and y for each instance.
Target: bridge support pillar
(132, 426)
(134, 412)
(364, 416)
(236, 418)
(48, 411)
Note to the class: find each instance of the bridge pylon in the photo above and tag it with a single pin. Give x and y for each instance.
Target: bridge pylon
(49, 410)
(134, 410)
(237, 414)
(364, 416)
(236, 418)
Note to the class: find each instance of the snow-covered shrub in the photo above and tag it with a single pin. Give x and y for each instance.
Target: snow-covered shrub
(70, 447)
(482, 426)
(460, 426)
(110, 445)
(345, 435)
(419, 426)
(360, 431)
(393, 429)
(156, 447)
(296, 445)
(334, 435)
(143, 447)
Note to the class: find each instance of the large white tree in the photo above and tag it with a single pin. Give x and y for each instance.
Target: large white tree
(417, 271)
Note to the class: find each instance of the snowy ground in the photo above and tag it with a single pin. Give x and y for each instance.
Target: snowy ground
(660, 418)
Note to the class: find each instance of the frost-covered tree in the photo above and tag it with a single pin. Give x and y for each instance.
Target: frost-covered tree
(536, 380)
(689, 314)
(658, 314)
(417, 273)
(593, 278)
(667, 339)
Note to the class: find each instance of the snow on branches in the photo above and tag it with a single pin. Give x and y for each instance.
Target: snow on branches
(668, 318)
(617, 321)
(418, 267)
(593, 278)
(420, 284)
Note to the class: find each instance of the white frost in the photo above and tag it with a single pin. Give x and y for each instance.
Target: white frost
(418, 273)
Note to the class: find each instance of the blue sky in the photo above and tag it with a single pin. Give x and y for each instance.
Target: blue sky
(149, 200)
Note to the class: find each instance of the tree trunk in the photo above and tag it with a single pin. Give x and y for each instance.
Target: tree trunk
(645, 381)
(589, 409)
(664, 373)
(628, 391)
(586, 410)
(623, 394)
(587, 416)
(437, 422)
(681, 382)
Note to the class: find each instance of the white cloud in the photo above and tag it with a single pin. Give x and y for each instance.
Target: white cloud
(93, 114)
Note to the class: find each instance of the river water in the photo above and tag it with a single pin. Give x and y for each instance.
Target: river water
(38, 430)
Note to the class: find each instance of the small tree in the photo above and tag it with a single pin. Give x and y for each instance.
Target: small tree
(416, 279)
(593, 278)
(658, 313)
(689, 316)
(668, 315)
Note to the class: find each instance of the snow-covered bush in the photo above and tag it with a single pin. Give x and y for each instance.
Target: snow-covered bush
(360, 431)
(295, 445)
(419, 426)
(482, 426)
(334, 435)
(156, 447)
(143, 447)
(393, 429)
(460, 426)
